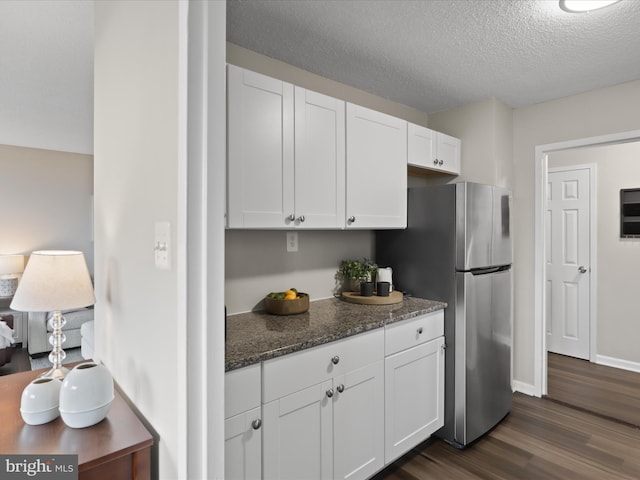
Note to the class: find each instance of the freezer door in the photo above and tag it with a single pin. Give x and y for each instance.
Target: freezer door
(482, 226)
(483, 393)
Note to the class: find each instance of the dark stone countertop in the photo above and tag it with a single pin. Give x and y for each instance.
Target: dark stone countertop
(256, 336)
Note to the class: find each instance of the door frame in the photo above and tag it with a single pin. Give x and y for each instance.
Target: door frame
(593, 248)
(539, 288)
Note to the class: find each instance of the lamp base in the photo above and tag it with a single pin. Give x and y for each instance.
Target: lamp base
(57, 373)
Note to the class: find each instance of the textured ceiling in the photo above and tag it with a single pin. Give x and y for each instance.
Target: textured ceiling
(431, 55)
(438, 54)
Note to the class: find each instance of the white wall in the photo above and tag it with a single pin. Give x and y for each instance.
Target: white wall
(258, 263)
(46, 86)
(599, 112)
(485, 129)
(618, 263)
(139, 328)
(46, 201)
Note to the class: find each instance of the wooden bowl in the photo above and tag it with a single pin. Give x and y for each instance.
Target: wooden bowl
(287, 307)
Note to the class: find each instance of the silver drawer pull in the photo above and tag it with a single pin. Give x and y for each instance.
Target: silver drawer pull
(256, 424)
(330, 393)
(335, 360)
(419, 330)
(340, 388)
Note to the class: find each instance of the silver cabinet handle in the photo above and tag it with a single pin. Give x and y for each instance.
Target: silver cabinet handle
(582, 269)
(443, 347)
(330, 393)
(419, 330)
(292, 217)
(256, 424)
(351, 219)
(435, 162)
(340, 388)
(301, 218)
(335, 360)
(440, 162)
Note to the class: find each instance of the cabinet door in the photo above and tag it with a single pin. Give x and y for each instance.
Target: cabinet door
(298, 434)
(243, 446)
(414, 396)
(376, 169)
(358, 425)
(448, 153)
(260, 150)
(421, 147)
(319, 160)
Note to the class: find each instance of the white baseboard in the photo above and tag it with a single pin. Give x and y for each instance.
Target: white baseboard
(525, 388)
(618, 363)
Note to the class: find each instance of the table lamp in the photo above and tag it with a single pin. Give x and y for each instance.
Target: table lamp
(53, 281)
(11, 266)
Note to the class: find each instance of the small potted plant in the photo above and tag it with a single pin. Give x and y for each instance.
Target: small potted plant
(353, 272)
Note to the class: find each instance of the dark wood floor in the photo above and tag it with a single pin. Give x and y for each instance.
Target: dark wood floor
(19, 362)
(610, 392)
(546, 439)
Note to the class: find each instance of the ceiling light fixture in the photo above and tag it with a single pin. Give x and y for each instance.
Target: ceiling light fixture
(581, 6)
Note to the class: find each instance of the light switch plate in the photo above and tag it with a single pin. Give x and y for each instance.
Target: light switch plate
(162, 245)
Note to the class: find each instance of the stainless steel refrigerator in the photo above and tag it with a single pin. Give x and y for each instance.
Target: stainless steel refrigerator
(457, 249)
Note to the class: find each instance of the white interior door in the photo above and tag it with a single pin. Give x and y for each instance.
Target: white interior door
(568, 256)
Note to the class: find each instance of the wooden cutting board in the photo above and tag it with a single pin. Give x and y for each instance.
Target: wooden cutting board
(355, 297)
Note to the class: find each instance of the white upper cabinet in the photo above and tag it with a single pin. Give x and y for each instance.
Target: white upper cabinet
(433, 150)
(260, 150)
(285, 155)
(376, 169)
(319, 160)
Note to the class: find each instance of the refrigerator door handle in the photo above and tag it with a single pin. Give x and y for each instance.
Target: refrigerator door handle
(486, 270)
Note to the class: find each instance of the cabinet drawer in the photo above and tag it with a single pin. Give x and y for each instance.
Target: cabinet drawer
(241, 390)
(291, 373)
(402, 335)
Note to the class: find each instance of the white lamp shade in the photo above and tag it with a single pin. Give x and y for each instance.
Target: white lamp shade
(54, 280)
(11, 264)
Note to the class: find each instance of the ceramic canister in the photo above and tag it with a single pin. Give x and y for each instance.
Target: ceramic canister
(86, 395)
(385, 275)
(39, 401)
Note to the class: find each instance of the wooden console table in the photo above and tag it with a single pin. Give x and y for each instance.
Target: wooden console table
(118, 447)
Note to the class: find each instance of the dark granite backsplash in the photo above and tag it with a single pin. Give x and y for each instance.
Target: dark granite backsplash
(256, 336)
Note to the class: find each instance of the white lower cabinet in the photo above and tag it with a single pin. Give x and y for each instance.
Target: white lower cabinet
(243, 424)
(358, 429)
(331, 429)
(342, 410)
(414, 383)
(298, 435)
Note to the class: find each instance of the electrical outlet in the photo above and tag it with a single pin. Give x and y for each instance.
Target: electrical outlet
(292, 241)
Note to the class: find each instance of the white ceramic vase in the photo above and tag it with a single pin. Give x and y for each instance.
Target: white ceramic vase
(39, 401)
(86, 395)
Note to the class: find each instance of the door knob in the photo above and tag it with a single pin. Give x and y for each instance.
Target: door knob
(582, 269)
